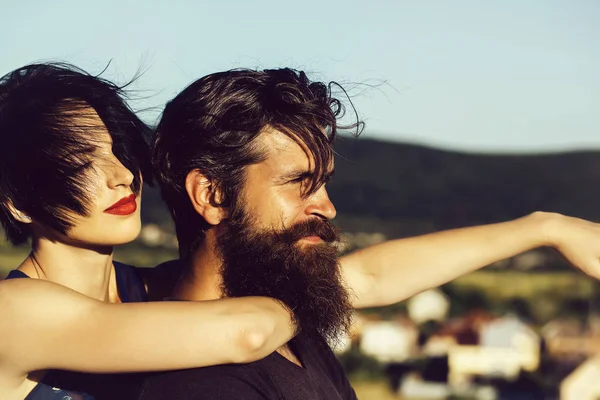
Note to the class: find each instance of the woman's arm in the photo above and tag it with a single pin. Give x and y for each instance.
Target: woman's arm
(396, 270)
(48, 326)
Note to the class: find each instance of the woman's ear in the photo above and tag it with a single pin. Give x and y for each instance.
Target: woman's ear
(202, 194)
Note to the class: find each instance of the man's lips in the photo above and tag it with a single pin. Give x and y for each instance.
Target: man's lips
(125, 206)
(312, 239)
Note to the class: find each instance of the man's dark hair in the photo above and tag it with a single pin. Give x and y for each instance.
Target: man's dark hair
(212, 126)
(46, 148)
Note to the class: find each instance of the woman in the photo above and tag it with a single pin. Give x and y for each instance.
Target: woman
(72, 161)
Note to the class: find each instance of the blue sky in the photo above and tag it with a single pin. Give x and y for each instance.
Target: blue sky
(503, 75)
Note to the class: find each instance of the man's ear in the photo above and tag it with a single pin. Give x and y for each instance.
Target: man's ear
(17, 214)
(202, 194)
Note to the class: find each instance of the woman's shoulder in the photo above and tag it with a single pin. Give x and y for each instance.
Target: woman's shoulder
(36, 293)
(21, 287)
(31, 306)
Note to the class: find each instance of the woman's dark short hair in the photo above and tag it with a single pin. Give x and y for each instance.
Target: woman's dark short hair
(212, 124)
(45, 149)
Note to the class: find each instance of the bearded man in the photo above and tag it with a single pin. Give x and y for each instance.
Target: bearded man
(242, 158)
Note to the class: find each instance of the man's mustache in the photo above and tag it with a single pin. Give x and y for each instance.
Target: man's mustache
(312, 227)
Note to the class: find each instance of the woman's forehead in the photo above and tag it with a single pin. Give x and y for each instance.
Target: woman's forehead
(85, 122)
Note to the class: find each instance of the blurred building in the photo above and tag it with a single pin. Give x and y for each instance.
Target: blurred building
(569, 338)
(583, 383)
(506, 347)
(389, 341)
(431, 305)
(153, 235)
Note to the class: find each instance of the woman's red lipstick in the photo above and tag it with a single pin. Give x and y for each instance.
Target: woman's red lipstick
(125, 206)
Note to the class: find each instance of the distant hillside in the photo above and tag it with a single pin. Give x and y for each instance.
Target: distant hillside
(449, 189)
(401, 189)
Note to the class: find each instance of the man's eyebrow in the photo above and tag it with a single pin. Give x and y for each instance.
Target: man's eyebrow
(304, 174)
(296, 175)
(329, 175)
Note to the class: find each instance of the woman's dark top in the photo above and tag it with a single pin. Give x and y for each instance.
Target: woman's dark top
(66, 385)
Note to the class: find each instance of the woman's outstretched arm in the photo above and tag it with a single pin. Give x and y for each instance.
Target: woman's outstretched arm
(44, 325)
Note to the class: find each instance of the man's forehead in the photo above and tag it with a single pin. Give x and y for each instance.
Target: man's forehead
(286, 153)
(278, 141)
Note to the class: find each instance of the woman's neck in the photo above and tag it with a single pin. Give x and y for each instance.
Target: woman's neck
(88, 271)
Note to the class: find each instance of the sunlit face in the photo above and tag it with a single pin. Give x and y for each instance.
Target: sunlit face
(278, 242)
(273, 193)
(114, 211)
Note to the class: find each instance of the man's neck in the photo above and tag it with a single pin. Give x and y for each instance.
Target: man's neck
(201, 275)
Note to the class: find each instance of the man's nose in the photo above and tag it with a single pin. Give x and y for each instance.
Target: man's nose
(320, 205)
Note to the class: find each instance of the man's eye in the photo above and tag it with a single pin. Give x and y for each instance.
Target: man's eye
(297, 180)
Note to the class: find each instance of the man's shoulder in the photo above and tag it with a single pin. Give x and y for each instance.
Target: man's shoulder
(317, 346)
(329, 371)
(230, 381)
(161, 279)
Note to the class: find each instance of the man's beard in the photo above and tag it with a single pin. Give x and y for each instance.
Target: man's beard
(307, 279)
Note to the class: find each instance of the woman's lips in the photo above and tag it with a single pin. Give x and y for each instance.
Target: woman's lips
(125, 206)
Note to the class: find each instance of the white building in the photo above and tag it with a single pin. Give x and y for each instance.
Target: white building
(507, 346)
(389, 341)
(583, 383)
(431, 305)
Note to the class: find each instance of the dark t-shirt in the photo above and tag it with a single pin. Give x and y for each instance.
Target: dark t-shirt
(274, 377)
